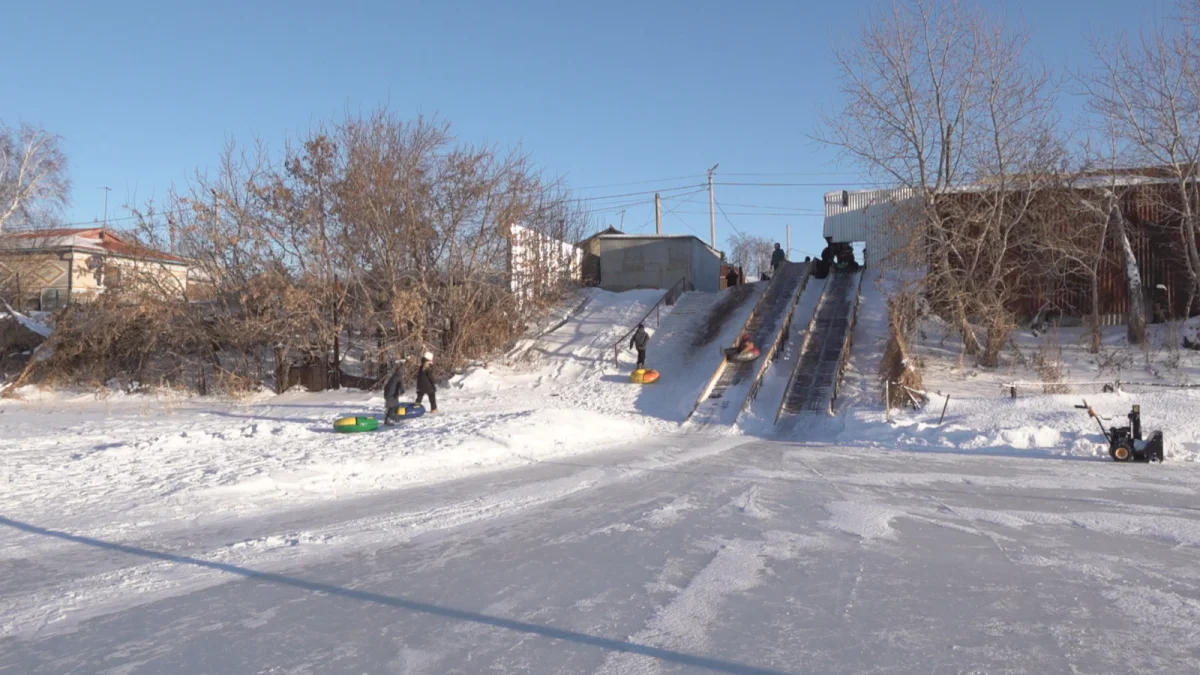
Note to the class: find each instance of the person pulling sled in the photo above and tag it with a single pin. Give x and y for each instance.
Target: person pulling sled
(392, 391)
(638, 342)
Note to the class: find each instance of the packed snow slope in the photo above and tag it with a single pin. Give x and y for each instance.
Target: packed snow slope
(683, 555)
(687, 350)
(120, 466)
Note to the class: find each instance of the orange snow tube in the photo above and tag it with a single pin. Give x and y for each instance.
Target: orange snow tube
(644, 376)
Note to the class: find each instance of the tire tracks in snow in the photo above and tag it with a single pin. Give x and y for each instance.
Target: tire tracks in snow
(61, 604)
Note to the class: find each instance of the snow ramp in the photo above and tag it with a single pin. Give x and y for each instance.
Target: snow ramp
(583, 343)
(813, 384)
(730, 386)
(682, 349)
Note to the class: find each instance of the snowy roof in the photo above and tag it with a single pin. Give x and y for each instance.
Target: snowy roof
(96, 239)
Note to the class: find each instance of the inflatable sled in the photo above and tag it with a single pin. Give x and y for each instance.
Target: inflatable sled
(644, 376)
(407, 410)
(349, 425)
(739, 356)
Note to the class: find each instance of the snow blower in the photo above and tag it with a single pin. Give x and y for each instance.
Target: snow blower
(1125, 444)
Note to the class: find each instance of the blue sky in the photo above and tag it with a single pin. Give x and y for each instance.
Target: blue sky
(607, 93)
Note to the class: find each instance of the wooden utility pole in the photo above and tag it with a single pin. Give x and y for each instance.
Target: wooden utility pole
(712, 214)
(657, 214)
(787, 239)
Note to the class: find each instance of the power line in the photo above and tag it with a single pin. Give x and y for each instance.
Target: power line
(638, 194)
(672, 212)
(694, 230)
(841, 185)
(800, 173)
(638, 182)
(776, 208)
(757, 213)
(722, 210)
(618, 207)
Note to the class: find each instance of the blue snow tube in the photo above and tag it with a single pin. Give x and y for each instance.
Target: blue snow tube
(407, 410)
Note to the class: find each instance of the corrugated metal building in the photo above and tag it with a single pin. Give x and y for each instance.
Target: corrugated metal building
(629, 261)
(883, 219)
(875, 218)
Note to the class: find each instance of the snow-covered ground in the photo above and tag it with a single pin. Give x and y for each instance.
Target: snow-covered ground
(1162, 360)
(555, 518)
(122, 464)
(682, 555)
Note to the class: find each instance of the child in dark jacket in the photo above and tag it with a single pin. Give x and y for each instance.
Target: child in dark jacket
(425, 383)
(392, 391)
(638, 341)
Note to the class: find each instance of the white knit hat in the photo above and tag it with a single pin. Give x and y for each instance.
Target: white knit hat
(428, 356)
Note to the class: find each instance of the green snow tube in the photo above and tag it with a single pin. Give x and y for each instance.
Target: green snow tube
(349, 425)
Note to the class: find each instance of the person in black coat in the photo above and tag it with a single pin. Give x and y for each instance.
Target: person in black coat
(638, 341)
(392, 391)
(778, 257)
(425, 383)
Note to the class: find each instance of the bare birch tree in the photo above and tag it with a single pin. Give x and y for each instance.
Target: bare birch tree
(941, 101)
(751, 253)
(1146, 92)
(33, 177)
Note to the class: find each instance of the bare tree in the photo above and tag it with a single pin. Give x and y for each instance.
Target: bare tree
(33, 177)
(1146, 93)
(373, 234)
(751, 253)
(941, 101)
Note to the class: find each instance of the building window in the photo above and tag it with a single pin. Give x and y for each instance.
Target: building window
(53, 299)
(112, 276)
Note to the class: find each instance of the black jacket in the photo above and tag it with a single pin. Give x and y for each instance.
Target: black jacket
(425, 383)
(777, 257)
(394, 387)
(639, 339)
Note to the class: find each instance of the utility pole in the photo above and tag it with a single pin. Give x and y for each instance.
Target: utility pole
(657, 214)
(712, 213)
(787, 238)
(106, 191)
(622, 225)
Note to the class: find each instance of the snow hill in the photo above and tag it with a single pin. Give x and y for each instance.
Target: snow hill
(120, 464)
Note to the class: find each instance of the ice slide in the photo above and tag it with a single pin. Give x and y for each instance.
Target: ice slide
(730, 386)
(812, 386)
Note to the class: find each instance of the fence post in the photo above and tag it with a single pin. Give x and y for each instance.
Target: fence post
(887, 400)
(944, 406)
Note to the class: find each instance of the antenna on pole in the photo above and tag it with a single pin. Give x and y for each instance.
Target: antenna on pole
(106, 191)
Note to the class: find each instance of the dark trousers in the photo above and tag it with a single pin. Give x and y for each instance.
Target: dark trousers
(641, 358)
(432, 400)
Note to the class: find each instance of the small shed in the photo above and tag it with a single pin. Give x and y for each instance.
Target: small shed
(631, 261)
(590, 265)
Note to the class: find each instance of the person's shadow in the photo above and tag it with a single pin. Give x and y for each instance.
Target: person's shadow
(548, 632)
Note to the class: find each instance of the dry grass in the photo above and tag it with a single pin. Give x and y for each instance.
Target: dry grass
(898, 367)
(1049, 364)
